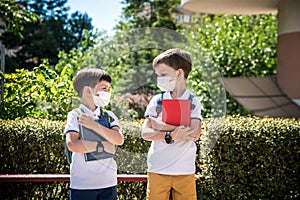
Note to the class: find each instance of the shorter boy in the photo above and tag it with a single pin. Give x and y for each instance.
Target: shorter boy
(96, 179)
(171, 157)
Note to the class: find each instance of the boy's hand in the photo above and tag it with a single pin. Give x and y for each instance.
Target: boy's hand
(86, 121)
(109, 147)
(156, 124)
(184, 134)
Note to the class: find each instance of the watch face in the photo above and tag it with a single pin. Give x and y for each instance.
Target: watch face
(168, 138)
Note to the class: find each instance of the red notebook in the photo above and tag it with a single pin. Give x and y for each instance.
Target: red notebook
(176, 112)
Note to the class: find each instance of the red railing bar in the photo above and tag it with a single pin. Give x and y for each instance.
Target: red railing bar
(63, 178)
(132, 177)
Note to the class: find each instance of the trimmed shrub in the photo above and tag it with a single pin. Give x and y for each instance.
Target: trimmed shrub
(239, 158)
(36, 146)
(254, 158)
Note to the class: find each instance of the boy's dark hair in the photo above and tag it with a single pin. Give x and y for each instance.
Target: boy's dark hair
(89, 77)
(175, 58)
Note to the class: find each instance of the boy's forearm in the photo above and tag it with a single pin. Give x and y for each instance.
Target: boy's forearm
(181, 133)
(168, 127)
(196, 125)
(153, 135)
(82, 146)
(114, 135)
(148, 133)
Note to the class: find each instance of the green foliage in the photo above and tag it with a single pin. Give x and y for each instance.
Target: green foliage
(238, 46)
(222, 45)
(54, 32)
(32, 146)
(40, 93)
(253, 158)
(144, 32)
(238, 158)
(204, 82)
(47, 91)
(14, 17)
(242, 46)
(128, 56)
(36, 146)
(76, 57)
(148, 13)
(131, 157)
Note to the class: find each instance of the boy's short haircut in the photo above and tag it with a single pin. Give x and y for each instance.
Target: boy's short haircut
(175, 58)
(89, 77)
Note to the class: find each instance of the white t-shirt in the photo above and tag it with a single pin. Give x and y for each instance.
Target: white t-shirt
(179, 157)
(93, 174)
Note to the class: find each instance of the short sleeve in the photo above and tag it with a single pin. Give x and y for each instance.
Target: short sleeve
(151, 108)
(72, 122)
(196, 109)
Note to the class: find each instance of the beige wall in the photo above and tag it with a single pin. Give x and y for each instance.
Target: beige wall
(288, 47)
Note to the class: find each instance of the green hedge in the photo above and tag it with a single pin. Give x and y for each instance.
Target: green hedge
(254, 158)
(31, 146)
(249, 158)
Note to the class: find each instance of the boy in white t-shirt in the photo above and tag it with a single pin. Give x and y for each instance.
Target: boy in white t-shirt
(96, 179)
(171, 157)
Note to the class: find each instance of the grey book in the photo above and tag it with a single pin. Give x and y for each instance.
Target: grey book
(90, 135)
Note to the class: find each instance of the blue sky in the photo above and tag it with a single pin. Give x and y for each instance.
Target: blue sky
(104, 13)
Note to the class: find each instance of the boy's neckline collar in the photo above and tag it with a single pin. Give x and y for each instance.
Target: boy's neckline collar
(89, 112)
(185, 95)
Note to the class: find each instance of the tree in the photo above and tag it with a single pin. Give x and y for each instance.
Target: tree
(46, 91)
(239, 46)
(141, 32)
(148, 13)
(43, 40)
(13, 17)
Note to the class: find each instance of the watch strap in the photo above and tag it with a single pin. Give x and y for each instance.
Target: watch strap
(100, 147)
(168, 138)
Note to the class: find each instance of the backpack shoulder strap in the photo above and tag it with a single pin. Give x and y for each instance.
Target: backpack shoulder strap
(191, 100)
(68, 153)
(105, 115)
(158, 108)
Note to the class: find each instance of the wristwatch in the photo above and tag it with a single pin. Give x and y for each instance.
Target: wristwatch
(168, 138)
(100, 148)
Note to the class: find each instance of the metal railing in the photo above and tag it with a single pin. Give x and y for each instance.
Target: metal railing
(63, 178)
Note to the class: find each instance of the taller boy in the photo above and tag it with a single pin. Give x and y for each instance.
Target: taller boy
(171, 157)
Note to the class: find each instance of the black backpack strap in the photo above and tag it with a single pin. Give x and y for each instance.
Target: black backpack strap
(191, 100)
(104, 115)
(68, 153)
(158, 108)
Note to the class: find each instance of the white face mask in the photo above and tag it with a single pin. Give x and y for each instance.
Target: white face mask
(101, 99)
(166, 83)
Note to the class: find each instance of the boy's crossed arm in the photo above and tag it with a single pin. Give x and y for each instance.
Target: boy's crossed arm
(74, 144)
(155, 130)
(113, 137)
